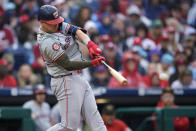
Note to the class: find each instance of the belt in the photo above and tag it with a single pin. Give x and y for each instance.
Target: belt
(78, 72)
(61, 76)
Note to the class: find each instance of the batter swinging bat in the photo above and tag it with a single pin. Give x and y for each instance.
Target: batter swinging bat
(116, 74)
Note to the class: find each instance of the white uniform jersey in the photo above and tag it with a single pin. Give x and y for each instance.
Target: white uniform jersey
(53, 46)
(42, 114)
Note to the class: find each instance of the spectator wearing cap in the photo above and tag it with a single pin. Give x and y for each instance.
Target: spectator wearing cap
(130, 72)
(185, 81)
(110, 120)
(100, 77)
(113, 57)
(167, 99)
(91, 27)
(164, 44)
(25, 77)
(154, 56)
(134, 19)
(40, 109)
(166, 65)
(6, 80)
(180, 66)
(155, 33)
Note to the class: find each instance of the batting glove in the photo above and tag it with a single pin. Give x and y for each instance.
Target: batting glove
(97, 61)
(93, 49)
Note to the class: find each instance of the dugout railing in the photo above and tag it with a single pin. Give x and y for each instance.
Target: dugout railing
(164, 117)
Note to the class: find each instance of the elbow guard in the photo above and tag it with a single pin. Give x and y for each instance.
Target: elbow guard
(70, 29)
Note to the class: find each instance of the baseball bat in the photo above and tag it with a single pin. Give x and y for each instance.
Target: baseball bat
(115, 74)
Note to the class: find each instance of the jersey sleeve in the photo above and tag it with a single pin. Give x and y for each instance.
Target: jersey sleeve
(53, 50)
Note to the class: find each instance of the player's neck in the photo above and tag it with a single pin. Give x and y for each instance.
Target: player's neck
(38, 103)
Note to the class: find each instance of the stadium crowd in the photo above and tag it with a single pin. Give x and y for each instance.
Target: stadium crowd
(151, 42)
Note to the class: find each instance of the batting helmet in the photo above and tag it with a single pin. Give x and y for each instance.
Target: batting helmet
(49, 14)
(39, 89)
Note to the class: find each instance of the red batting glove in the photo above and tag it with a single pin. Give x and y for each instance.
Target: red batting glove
(93, 49)
(97, 61)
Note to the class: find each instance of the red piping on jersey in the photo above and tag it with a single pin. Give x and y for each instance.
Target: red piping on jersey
(59, 56)
(67, 102)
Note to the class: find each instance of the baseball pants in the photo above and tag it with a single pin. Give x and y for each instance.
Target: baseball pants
(76, 99)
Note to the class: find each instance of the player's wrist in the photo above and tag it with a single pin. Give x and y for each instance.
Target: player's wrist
(86, 40)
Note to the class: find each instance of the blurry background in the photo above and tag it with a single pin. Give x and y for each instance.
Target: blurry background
(151, 42)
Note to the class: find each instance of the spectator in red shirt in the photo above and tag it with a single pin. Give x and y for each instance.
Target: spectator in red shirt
(6, 80)
(110, 120)
(129, 71)
(167, 100)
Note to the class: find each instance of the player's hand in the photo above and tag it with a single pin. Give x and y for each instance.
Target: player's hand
(97, 61)
(93, 49)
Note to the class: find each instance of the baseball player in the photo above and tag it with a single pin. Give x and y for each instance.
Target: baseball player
(61, 53)
(40, 109)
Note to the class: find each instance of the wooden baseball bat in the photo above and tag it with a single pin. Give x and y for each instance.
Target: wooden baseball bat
(115, 74)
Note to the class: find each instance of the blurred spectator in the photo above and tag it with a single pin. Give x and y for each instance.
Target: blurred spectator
(26, 77)
(115, 37)
(185, 81)
(166, 64)
(84, 14)
(100, 77)
(6, 80)
(173, 46)
(167, 100)
(155, 33)
(40, 110)
(164, 44)
(134, 19)
(110, 120)
(191, 18)
(7, 37)
(180, 66)
(91, 27)
(10, 66)
(30, 7)
(63, 8)
(129, 71)
(154, 56)
(112, 56)
(153, 9)
(118, 23)
(106, 24)
(139, 54)
(154, 80)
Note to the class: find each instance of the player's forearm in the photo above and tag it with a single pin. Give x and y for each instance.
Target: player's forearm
(72, 65)
(81, 36)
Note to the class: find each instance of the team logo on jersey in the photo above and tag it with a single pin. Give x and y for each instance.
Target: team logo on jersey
(56, 46)
(56, 14)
